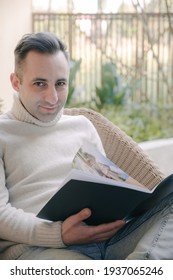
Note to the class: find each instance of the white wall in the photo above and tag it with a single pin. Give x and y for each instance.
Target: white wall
(15, 20)
(161, 152)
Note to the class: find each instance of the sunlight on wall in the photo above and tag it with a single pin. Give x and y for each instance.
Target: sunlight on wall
(82, 6)
(12, 30)
(44, 6)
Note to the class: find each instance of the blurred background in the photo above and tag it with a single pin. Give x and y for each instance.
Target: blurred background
(121, 57)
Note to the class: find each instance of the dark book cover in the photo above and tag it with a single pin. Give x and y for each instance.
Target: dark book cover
(107, 202)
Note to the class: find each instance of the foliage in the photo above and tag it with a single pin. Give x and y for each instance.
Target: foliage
(112, 90)
(74, 68)
(142, 122)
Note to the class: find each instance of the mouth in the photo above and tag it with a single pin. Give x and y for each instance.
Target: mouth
(49, 108)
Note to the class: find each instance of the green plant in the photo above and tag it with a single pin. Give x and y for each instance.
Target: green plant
(112, 90)
(74, 68)
(143, 121)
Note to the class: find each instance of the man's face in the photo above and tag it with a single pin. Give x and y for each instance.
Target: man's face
(43, 84)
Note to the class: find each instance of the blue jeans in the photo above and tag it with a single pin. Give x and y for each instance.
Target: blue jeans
(149, 236)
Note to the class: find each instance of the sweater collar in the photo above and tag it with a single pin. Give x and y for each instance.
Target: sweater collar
(20, 113)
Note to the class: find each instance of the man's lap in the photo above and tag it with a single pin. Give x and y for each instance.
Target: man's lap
(42, 253)
(146, 237)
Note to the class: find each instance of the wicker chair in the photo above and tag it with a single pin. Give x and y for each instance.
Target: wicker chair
(122, 149)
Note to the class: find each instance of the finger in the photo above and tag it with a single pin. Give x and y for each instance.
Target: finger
(109, 227)
(103, 232)
(81, 216)
(106, 235)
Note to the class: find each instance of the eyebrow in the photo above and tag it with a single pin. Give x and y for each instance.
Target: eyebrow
(62, 80)
(45, 80)
(39, 79)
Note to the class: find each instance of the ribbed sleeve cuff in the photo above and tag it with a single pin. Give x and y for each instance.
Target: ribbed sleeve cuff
(48, 234)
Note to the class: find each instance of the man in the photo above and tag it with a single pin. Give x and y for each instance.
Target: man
(37, 146)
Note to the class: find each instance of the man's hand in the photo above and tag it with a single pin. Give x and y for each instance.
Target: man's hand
(75, 231)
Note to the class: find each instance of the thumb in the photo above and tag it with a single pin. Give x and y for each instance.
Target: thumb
(83, 214)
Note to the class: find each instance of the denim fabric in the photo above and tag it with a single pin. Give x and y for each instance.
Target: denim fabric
(157, 242)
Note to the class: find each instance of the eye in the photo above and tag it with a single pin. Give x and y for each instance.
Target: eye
(61, 83)
(40, 84)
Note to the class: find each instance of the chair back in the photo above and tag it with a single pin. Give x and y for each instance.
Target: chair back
(122, 149)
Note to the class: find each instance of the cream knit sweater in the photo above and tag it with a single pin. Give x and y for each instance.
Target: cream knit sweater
(35, 158)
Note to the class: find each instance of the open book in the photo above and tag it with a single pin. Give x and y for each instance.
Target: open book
(99, 184)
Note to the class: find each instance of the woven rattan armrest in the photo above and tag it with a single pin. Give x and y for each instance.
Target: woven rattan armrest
(122, 149)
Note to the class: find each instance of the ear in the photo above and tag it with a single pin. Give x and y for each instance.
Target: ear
(15, 81)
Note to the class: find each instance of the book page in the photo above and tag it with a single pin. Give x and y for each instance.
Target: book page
(90, 160)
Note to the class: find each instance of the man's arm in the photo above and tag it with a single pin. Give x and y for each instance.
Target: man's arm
(21, 227)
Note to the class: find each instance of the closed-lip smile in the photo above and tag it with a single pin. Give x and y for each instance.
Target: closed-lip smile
(49, 108)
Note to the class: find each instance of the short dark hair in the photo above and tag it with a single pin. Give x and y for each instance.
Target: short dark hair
(42, 42)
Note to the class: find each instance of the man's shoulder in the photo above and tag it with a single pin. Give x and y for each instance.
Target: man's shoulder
(76, 118)
(77, 121)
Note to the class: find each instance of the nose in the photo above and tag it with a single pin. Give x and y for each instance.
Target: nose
(51, 95)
